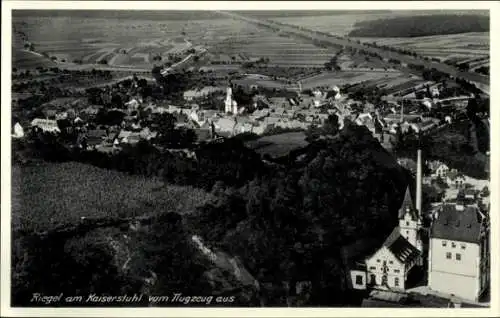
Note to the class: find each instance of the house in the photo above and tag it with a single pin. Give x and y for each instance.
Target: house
(455, 179)
(17, 131)
(390, 265)
(438, 169)
(147, 134)
(133, 104)
(91, 110)
(459, 251)
(94, 137)
(225, 125)
(46, 125)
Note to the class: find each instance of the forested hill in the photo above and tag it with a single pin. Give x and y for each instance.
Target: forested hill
(290, 226)
(423, 25)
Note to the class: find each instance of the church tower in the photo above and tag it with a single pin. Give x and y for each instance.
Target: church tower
(228, 103)
(410, 215)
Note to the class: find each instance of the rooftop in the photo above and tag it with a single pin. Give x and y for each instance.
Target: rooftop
(400, 247)
(456, 224)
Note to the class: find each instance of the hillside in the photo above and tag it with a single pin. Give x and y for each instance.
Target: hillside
(289, 226)
(80, 190)
(423, 25)
(152, 256)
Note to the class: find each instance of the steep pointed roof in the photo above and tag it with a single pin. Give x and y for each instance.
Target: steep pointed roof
(407, 204)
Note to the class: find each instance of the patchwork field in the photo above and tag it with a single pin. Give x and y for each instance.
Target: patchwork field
(281, 51)
(79, 190)
(128, 43)
(442, 47)
(343, 78)
(458, 48)
(340, 24)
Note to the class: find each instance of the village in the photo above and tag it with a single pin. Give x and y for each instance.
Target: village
(269, 100)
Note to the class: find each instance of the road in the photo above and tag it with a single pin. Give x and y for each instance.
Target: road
(482, 81)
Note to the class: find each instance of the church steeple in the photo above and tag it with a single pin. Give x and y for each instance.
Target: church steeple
(410, 216)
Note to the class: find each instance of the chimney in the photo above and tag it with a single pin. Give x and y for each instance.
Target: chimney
(419, 182)
(402, 109)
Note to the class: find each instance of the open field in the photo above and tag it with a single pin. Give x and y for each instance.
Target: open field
(123, 42)
(278, 145)
(455, 47)
(79, 190)
(343, 78)
(281, 51)
(26, 59)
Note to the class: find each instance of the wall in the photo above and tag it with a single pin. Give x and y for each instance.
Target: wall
(355, 273)
(376, 268)
(450, 275)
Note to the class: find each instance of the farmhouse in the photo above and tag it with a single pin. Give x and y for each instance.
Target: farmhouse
(17, 131)
(458, 251)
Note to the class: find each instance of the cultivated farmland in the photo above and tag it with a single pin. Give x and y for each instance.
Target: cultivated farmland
(458, 48)
(79, 190)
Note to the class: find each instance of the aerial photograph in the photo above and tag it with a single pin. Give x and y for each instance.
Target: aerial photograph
(244, 158)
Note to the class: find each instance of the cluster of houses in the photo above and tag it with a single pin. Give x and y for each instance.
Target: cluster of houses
(448, 245)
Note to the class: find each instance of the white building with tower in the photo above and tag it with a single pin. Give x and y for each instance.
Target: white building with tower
(403, 250)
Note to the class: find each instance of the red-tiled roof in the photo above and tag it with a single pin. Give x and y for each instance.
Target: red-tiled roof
(458, 225)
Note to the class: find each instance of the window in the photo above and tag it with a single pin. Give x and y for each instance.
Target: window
(396, 281)
(407, 232)
(378, 261)
(373, 267)
(359, 280)
(384, 280)
(448, 255)
(407, 223)
(458, 257)
(444, 243)
(462, 246)
(391, 262)
(453, 245)
(396, 271)
(373, 279)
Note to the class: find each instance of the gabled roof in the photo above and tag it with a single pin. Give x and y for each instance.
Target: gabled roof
(408, 204)
(458, 225)
(403, 250)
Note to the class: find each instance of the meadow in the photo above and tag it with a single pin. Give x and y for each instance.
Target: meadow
(49, 194)
(278, 145)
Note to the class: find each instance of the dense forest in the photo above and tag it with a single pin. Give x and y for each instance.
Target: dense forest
(421, 26)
